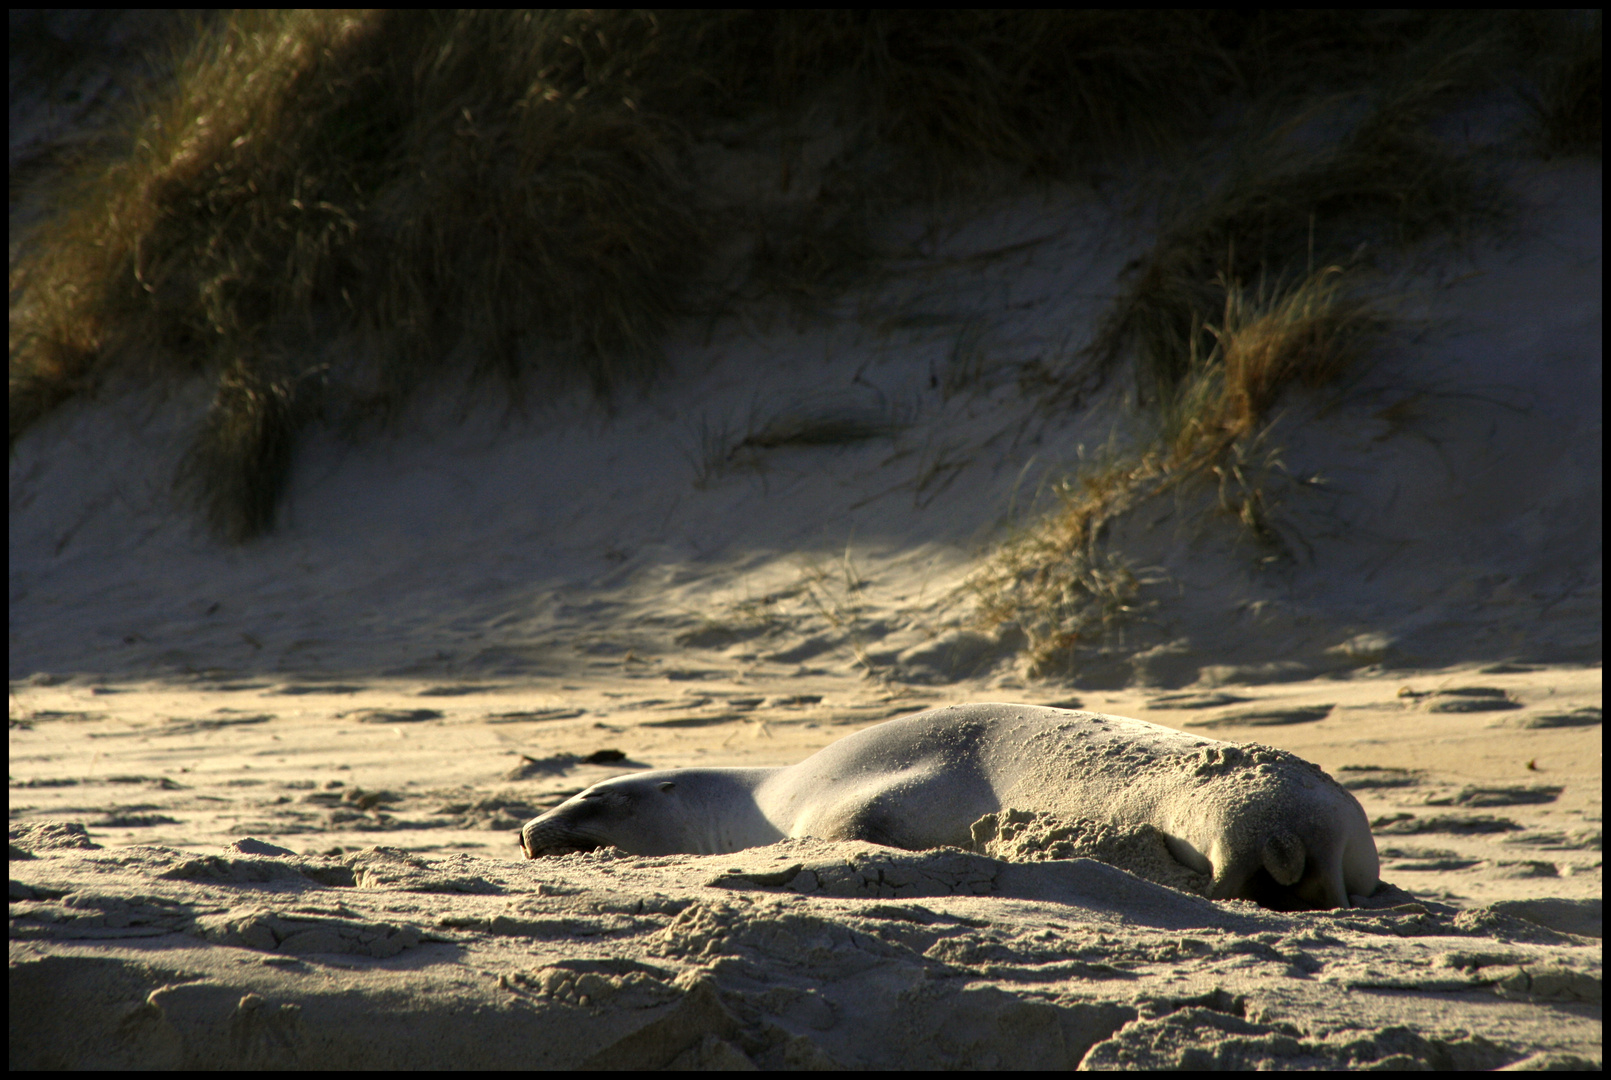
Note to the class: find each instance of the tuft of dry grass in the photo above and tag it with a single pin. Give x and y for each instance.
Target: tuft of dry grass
(1343, 166)
(1265, 341)
(1384, 186)
(1056, 580)
(1565, 101)
(316, 181)
(237, 469)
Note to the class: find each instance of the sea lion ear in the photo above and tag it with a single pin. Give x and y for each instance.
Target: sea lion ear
(665, 785)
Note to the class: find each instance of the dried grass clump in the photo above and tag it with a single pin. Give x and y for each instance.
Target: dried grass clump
(241, 461)
(1565, 102)
(1385, 186)
(1336, 178)
(1056, 580)
(397, 181)
(1265, 341)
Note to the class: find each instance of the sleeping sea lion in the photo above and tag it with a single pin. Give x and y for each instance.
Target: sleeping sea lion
(1264, 824)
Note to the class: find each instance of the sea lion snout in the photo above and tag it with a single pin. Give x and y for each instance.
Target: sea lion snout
(603, 815)
(551, 835)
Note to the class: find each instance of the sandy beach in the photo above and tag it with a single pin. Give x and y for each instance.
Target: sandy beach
(292, 874)
(265, 797)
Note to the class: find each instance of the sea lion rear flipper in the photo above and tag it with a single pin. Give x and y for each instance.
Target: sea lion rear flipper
(1284, 857)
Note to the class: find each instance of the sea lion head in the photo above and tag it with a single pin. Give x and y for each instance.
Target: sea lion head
(648, 813)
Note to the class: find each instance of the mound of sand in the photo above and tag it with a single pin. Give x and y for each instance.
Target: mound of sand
(1031, 836)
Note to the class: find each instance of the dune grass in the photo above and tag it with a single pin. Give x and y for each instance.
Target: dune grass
(323, 212)
(1344, 178)
(1385, 185)
(1056, 579)
(1565, 99)
(367, 200)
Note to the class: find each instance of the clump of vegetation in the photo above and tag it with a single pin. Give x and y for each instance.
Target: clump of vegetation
(1566, 100)
(1385, 185)
(315, 177)
(1344, 178)
(1264, 342)
(1056, 580)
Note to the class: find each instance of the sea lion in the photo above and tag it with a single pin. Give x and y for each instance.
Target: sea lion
(1263, 823)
